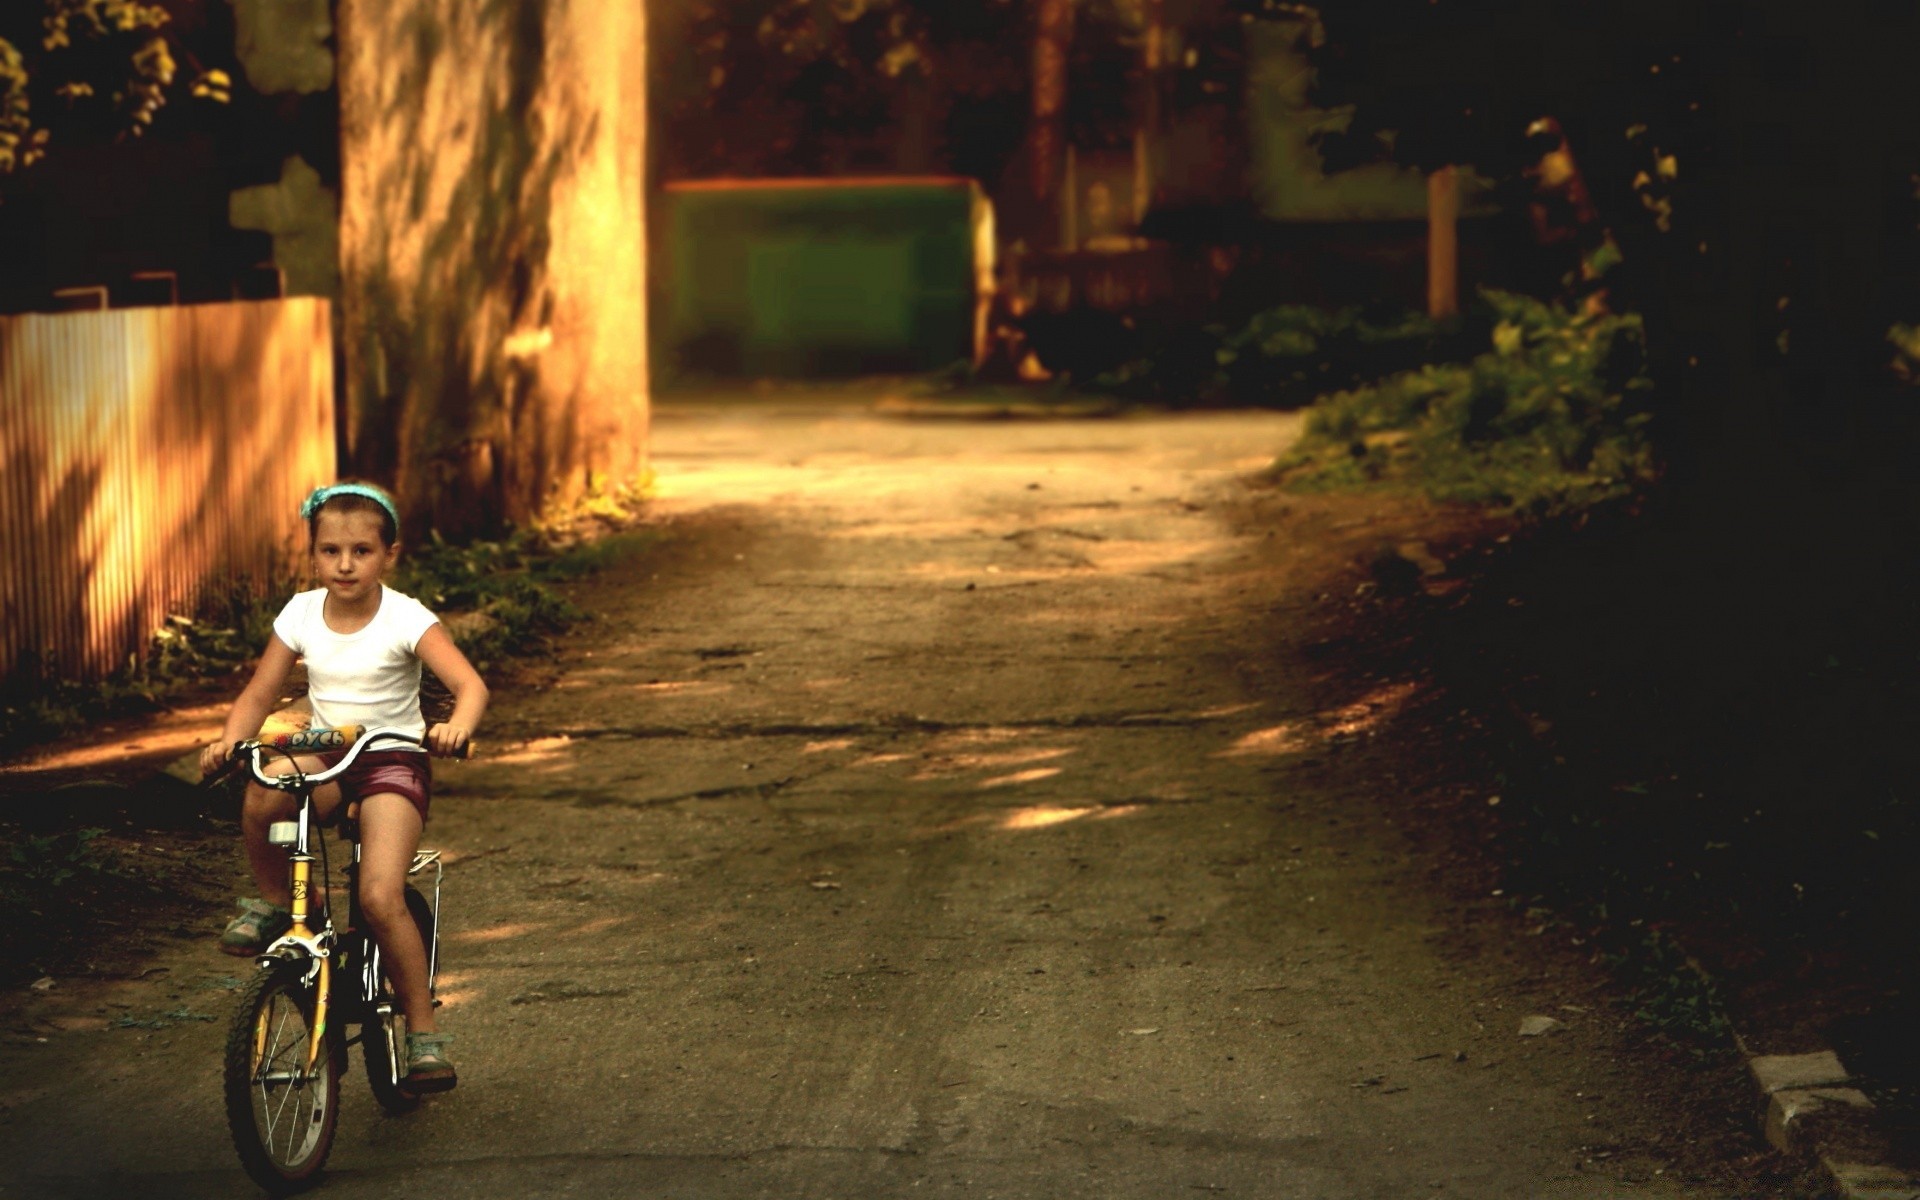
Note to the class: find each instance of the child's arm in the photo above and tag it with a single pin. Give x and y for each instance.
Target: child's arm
(443, 658)
(256, 700)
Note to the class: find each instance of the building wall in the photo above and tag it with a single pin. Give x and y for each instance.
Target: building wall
(493, 251)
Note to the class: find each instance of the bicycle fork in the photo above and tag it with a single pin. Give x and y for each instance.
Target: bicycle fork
(300, 905)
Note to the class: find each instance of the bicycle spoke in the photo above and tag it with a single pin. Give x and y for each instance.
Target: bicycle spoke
(268, 1061)
(283, 1065)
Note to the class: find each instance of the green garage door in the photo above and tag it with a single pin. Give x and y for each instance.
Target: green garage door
(797, 278)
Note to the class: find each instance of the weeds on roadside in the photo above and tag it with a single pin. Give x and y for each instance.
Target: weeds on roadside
(1550, 419)
(224, 636)
(35, 869)
(50, 860)
(1670, 993)
(1285, 356)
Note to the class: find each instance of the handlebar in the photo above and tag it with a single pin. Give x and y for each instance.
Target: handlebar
(355, 738)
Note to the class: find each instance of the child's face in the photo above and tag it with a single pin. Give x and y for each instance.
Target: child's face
(348, 556)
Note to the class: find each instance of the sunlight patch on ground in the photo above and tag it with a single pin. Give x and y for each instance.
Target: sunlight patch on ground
(178, 731)
(89, 756)
(974, 737)
(1367, 712)
(1351, 720)
(824, 747)
(538, 750)
(1042, 815)
(497, 933)
(1019, 777)
(599, 924)
(1279, 739)
(876, 760)
(1037, 816)
(1226, 710)
(953, 764)
(682, 687)
(591, 677)
(454, 999)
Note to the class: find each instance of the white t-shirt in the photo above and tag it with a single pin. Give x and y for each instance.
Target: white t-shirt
(369, 677)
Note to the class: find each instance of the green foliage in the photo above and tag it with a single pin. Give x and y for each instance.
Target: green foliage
(1905, 340)
(35, 863)
(165, 1020)
(225, 635)
(87, 69)
(495, 585)
(499, 598)
(1285, 356)
(17, 144)
(1670, 993)
(1552, 418)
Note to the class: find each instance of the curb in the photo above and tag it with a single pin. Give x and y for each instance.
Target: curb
(1815, 1110)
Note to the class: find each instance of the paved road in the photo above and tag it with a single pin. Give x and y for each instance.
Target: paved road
(941, 808)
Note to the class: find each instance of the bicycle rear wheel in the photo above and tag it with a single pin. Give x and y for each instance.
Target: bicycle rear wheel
(383, 1035)
(282, 1116)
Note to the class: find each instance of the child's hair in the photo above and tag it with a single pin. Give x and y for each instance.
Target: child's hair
(352, 496)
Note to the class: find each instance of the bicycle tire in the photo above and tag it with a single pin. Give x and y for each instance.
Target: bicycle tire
(383, 1037)
(269, 1036)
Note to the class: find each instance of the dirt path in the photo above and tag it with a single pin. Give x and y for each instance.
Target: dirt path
(950, 808)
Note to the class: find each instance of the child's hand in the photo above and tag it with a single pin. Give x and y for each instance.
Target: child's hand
(448, 740)
(213, 758)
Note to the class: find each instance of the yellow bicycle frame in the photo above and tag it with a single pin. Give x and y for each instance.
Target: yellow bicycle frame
(323, 983)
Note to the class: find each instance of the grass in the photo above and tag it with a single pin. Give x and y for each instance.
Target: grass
(1550, 417)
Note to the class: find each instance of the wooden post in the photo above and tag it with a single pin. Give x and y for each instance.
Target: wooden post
(1052, 43)
(1443, 244)
(1070, 204)
(1146, 139)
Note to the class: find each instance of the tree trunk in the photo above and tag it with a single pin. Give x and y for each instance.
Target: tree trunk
(493, 252)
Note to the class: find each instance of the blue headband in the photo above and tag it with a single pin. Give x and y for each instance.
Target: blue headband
(321, 495)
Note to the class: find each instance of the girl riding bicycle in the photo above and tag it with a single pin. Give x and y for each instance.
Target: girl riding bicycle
(364, 645)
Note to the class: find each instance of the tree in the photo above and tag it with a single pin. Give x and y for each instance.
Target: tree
(784, 87)
(90, 70)
(1748, 159)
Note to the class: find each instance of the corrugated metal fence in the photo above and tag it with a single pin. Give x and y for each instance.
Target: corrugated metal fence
(147, 454)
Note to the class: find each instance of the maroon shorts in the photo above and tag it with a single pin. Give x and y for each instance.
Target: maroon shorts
(406, 773)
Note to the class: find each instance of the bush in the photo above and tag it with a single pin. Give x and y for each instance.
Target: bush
(1282, 357)
(1552, 417)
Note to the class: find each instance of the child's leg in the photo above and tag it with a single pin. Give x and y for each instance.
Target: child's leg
(263, 807)
(389, 834)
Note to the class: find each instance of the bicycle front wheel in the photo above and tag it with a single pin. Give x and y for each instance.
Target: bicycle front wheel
(281, 1113)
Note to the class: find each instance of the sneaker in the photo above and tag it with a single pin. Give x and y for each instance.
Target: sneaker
(256, 928)
(428, 1069)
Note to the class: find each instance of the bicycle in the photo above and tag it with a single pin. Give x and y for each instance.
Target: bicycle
(286, 1047)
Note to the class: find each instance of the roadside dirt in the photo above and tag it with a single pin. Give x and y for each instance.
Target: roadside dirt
(1010, 808)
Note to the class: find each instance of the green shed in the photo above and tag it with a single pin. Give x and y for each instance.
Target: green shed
(809, 277)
